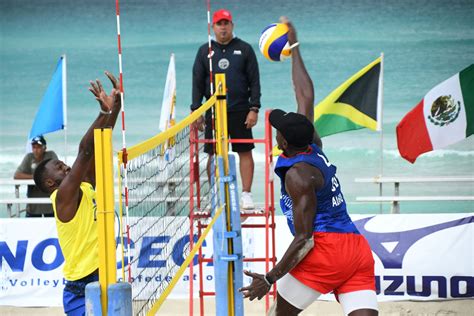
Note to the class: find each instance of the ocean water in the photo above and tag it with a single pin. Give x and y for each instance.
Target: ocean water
(424, 43)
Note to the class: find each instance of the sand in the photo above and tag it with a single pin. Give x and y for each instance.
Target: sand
(180, 307)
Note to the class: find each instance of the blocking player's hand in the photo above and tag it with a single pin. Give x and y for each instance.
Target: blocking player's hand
(116, 86)
(106, 101)
(257, 289)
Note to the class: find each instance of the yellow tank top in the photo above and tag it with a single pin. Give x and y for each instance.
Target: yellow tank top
(78, 237)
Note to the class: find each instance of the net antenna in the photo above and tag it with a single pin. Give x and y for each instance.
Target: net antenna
(210, 46)
(211, 74)
(125, 229)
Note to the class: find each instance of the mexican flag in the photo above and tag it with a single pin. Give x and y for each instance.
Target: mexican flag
(444, 117)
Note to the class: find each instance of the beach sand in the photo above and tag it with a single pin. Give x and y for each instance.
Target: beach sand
(178, 308)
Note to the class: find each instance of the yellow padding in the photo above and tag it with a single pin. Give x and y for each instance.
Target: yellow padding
(162, 137)
(154, 309)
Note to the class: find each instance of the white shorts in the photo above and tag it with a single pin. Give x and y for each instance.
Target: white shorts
(302, 296)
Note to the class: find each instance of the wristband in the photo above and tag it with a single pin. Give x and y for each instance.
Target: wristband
(294, 45)
(254, 109)
(105, 112)
(266, 280)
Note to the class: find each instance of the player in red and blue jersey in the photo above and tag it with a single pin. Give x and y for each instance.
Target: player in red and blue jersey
(327, 254)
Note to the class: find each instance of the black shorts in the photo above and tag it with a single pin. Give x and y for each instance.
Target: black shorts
(235, 128)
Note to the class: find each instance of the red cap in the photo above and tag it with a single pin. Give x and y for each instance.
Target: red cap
(221, 14)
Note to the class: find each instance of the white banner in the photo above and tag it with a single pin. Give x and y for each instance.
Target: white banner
(168, 112)
(31, 262)
(417, 257)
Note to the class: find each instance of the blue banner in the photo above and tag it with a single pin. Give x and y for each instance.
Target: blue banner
(50, 115)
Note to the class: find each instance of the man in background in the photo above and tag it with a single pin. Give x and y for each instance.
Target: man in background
(236, 59)
(26, 170)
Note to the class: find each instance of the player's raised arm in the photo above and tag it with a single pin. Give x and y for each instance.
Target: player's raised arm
(110, 119)
(302, 82)
(69, 194)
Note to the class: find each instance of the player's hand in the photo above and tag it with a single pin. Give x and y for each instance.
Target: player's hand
(251, 119)
(199, 123)
(113, 80)
(257, 289)
(115, 85)
(106, 101)
(291, 30)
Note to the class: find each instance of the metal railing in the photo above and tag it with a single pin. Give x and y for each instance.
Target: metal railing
(15, 201)
(396, 198)
(16, 204)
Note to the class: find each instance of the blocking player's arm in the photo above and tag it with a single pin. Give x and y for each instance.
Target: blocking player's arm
(302, 82)
(110, 122)
(69, 193)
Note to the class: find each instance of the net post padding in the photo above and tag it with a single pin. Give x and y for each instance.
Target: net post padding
(222, 145)
(105, 210)
(121, 228)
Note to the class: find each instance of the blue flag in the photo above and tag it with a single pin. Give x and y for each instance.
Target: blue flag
(52, 111)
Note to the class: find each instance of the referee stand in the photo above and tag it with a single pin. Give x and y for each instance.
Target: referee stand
(228, 257)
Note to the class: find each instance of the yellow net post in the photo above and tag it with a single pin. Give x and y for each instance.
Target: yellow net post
(105, 210)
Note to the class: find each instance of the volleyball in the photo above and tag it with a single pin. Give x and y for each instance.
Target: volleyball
(273, 42)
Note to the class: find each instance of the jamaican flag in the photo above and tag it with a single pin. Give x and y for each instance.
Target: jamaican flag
(353, 105)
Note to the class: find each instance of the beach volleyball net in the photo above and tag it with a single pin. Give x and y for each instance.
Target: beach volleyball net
(163, 180)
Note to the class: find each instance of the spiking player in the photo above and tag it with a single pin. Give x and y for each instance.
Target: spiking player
(327, 254)
(73, 197)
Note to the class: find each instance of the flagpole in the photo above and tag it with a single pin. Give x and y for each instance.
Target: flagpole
(64, 81)
(380, 121)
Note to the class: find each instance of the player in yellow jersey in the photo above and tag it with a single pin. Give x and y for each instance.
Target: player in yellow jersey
(73, 197)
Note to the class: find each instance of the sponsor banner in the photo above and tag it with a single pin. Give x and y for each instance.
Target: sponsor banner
(158, 254)
(417, 257)
(31, 263)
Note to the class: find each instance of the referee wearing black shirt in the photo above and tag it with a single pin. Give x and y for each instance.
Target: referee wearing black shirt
(235, 58)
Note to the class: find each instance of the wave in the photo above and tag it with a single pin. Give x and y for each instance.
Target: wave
(395, 153)
(259, 156)
(435, 154)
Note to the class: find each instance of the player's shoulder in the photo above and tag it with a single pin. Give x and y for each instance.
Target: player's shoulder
(303, 175)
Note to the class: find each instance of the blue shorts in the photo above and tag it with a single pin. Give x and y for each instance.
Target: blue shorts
(74, 299)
